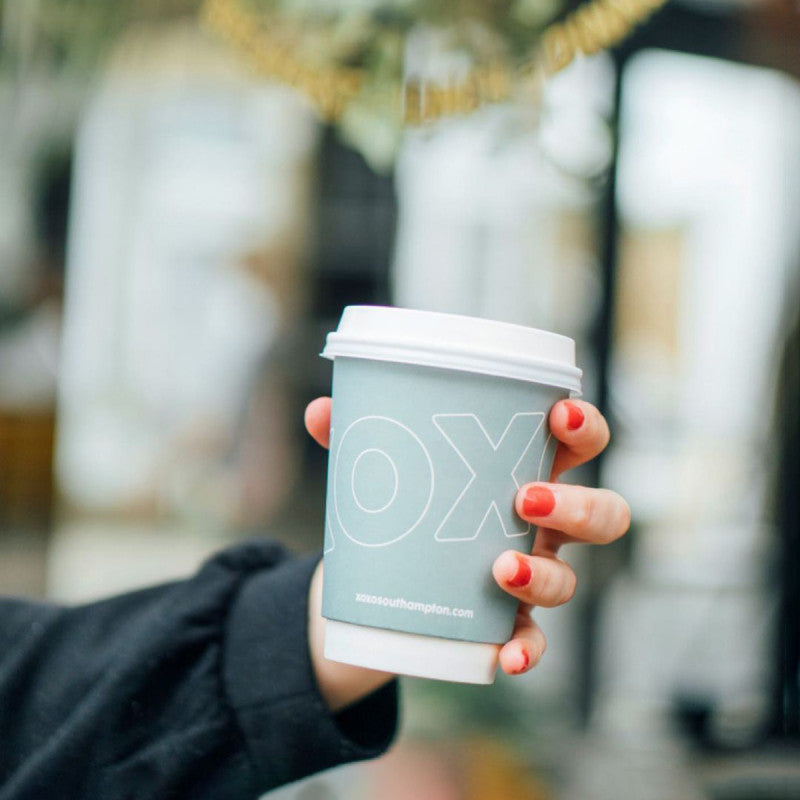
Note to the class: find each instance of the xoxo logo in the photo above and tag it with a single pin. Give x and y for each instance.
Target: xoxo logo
(385, 478)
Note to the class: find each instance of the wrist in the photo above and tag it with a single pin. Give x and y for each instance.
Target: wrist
(339, 684)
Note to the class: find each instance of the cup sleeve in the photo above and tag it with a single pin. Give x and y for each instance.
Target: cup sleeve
(267, 674)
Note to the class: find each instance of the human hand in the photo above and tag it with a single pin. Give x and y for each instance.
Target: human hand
(564, 513)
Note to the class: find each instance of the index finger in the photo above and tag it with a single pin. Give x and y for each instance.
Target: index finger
(582, 432)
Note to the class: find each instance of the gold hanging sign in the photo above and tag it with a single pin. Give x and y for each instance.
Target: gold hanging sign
(595, 26)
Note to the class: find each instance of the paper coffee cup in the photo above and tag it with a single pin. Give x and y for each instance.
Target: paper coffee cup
(437, 420)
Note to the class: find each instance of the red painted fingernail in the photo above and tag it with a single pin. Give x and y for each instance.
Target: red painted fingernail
(539, 501)
(526, 660)
(575, 416)
(522, 577)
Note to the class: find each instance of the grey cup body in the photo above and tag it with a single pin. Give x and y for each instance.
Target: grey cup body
(424, 465)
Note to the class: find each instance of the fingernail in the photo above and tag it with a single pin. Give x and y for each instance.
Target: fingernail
(574, 416)
(524, 661)
(539, 501)
(522, 577)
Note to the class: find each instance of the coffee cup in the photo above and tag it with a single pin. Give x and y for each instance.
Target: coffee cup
(437, 420)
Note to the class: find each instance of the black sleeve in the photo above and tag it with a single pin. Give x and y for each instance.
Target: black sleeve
(197, 689)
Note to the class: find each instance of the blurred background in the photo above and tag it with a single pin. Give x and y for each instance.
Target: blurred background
(179, 231)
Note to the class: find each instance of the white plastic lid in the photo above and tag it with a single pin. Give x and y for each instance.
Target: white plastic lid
(452, 341)
(410, 653)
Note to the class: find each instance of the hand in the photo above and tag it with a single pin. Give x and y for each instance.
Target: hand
(564, 513)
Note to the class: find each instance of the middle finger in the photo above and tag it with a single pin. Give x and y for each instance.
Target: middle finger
(594, 516)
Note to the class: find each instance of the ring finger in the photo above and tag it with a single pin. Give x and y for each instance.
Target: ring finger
(535, 580)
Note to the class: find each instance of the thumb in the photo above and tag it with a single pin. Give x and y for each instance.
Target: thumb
(318, 420)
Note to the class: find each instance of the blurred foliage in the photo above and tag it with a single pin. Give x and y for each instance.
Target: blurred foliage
(381, 39)
(368, 33)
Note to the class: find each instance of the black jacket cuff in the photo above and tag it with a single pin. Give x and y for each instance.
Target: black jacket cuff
(270, 683)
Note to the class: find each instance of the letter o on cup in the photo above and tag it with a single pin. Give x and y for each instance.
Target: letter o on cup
(382, 481)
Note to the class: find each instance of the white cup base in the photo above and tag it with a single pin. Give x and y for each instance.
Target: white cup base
(410, 653)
